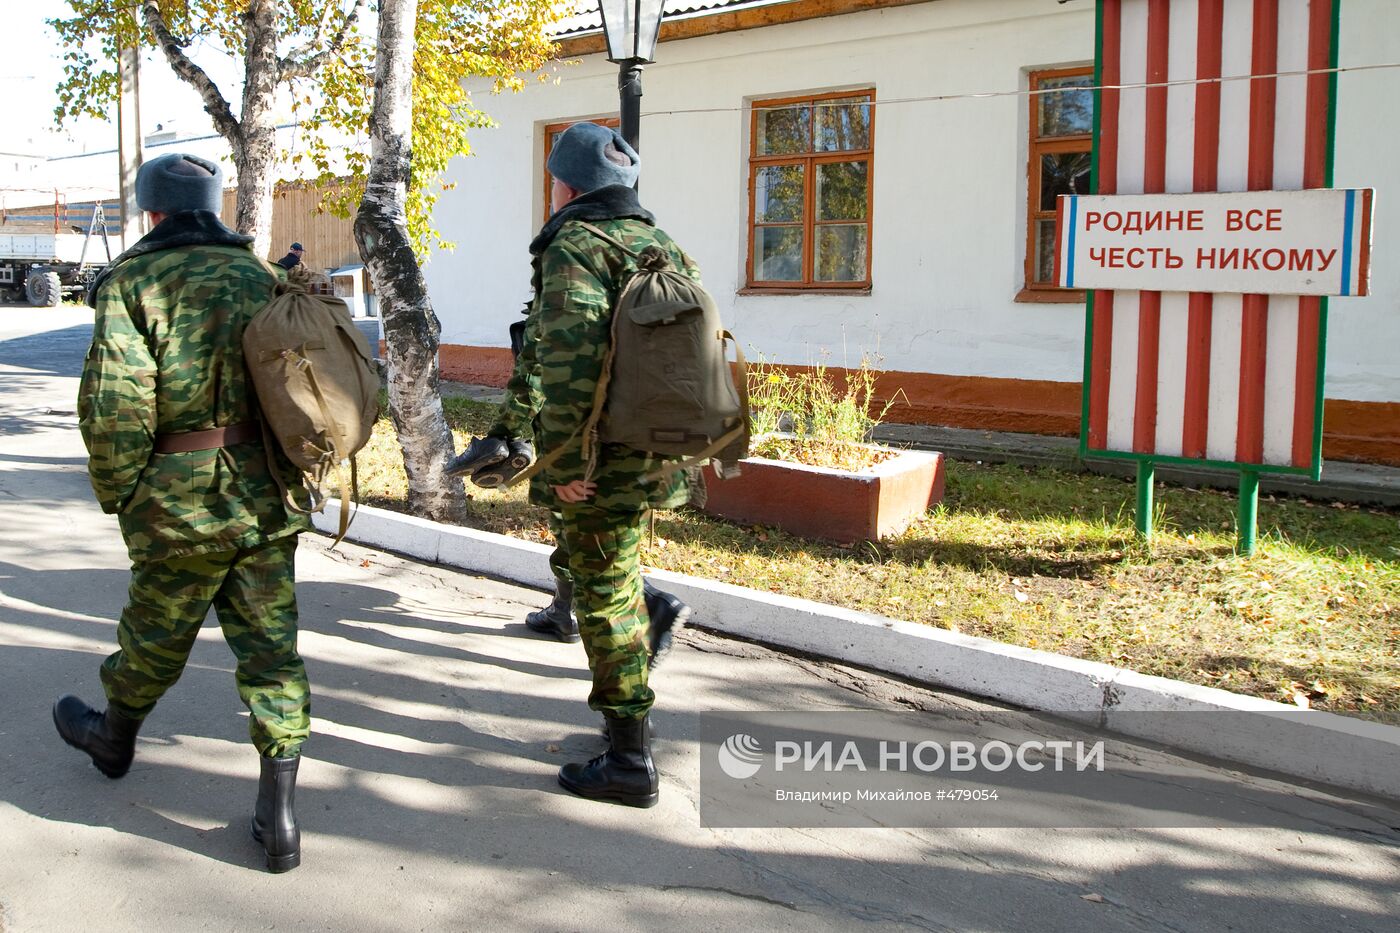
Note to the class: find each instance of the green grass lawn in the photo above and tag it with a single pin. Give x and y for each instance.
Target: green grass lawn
(1048, 559)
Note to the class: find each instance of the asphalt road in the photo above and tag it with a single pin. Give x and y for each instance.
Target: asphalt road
(428, 797)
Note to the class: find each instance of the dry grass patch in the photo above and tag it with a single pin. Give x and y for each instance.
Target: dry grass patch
(1048, 559)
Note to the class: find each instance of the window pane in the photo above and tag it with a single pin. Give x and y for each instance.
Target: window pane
(777, 192)
(1067, 113)
(1063, 173)
(553, 141)
(784, 129)
(842, 124)
(841, 191)
(840, 253)
(1045, 252)
(777, 254)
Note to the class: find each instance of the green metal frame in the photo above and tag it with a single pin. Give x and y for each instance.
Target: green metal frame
(1249, 472)
(1085, 383)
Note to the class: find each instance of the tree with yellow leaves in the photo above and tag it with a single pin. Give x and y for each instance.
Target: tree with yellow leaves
(317, 55)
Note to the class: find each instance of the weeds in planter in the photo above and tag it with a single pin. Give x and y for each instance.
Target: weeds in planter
(812, 417)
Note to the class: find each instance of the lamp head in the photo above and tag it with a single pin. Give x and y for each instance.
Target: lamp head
(631, 28)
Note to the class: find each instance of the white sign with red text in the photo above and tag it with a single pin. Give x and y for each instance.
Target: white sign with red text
(1313, 242)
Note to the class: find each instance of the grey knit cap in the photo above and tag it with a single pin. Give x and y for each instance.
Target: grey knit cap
(174, 183)
(580, 161)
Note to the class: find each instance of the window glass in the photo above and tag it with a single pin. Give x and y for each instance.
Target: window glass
(841, 191)
(1045, 252)
(1063, 173)
(784, 129)
(778, 254)
(840, 255)
(842, 124)
(1067, 112)
(778, 194)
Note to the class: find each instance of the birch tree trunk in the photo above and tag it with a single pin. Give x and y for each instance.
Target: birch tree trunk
(257, 160)
(410, 327)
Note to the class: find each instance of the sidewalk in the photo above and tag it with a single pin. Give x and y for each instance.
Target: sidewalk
(428, 797)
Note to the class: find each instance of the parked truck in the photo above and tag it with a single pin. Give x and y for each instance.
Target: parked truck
(45, 259)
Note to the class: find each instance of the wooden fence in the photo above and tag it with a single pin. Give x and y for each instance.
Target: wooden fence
(58, 215)
(329, 241)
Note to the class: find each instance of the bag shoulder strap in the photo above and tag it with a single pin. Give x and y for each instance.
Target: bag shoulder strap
(543, 463)
(608, 237)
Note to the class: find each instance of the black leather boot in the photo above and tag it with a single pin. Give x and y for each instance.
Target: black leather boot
(274, 816)
(668, 616)
(481, 452)
(109, 738)
(557, 618)
(521, 455)
(624, 773)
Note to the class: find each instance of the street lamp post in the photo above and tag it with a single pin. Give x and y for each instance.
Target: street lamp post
(631, 28)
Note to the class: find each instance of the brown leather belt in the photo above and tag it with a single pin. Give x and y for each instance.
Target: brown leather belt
(208, 440)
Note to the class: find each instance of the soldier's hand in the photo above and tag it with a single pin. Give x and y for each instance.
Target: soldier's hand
(481, 452)
(580, 490)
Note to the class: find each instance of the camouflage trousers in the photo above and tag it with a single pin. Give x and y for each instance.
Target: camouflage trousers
(602, 550)
(253, 593)
(559, 557)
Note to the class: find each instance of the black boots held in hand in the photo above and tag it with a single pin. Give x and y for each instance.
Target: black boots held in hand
(623, 774)
(108, 738)
(492, 461)
(274, 816)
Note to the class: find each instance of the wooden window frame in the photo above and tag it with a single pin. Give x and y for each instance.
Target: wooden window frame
(809, 160)
(1031, 290)
(549, 131)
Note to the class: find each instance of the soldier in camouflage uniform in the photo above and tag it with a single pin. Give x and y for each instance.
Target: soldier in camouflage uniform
(502, 454)
(175, 450)
(598, 507)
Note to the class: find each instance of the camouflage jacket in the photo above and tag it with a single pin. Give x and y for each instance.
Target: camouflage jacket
(577, 277)
(166, 358)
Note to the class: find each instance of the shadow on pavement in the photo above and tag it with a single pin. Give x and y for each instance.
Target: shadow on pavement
(51, 353)
(435, 762)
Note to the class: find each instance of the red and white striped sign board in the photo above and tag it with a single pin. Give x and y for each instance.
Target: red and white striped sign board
(1219, 377)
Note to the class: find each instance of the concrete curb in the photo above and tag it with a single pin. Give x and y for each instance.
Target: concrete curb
(1317, 746)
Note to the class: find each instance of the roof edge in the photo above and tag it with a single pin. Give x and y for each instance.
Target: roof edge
(721, 21)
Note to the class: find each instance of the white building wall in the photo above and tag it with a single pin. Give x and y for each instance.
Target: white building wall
(1363, 334)
(949, 188)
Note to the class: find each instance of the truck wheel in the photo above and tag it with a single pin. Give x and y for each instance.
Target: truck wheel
(43, 289)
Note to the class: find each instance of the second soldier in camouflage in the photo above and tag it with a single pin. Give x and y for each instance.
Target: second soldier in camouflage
(598, 506)
(170, 422)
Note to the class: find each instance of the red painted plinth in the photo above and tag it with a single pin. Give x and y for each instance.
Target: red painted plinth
(816, 502)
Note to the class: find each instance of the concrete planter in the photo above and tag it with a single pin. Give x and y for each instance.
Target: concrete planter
(817, 502)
